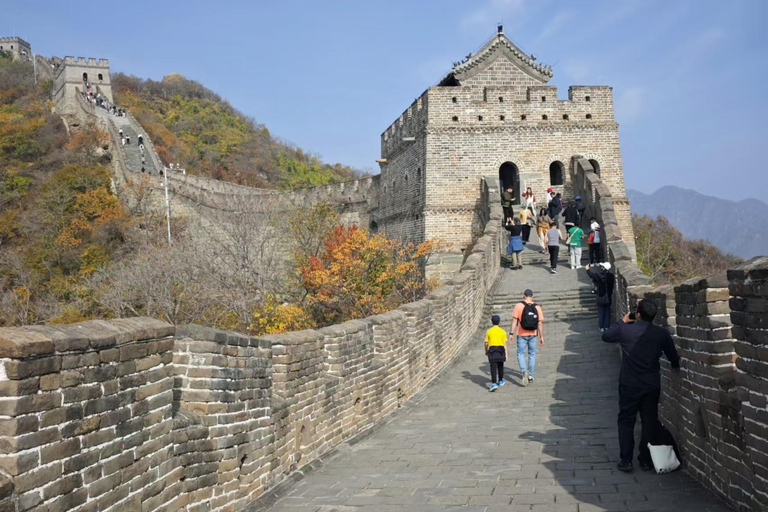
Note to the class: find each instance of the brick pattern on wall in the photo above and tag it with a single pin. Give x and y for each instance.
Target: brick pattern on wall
(134, 415)
(716, 406)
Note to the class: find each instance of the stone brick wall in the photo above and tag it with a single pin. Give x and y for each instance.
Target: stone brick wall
(134, 415)
(356, 198)
(716, 406)
(468, 138)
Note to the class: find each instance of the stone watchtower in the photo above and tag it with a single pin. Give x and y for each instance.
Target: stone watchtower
(17, 47)
(493, 114)
(72, 74)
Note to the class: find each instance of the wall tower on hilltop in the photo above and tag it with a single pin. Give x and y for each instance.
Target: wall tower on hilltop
(71, 74)
(492, 114)
(17, 47)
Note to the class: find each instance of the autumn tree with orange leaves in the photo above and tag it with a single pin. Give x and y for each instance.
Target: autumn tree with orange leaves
(358, 274)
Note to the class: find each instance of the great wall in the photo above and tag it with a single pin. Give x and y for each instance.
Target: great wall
(135, 414)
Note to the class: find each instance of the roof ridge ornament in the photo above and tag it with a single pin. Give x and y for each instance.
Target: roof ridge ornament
(528, 62)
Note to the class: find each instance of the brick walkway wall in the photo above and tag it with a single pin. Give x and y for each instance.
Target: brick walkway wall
(133, 414)
(716, 406)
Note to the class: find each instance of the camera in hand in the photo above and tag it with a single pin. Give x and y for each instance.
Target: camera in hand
(632, 315)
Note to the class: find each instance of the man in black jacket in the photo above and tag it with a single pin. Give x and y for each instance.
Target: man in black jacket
(555, 207)
(581, 208)
(642, 344)
(507, 198)
(603, 281)
(571, 217)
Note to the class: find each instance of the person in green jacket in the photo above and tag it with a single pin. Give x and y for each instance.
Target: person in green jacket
(507, 197)
(575, 234)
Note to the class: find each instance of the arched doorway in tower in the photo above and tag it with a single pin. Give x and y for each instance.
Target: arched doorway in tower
(85, 77)
(509, 176)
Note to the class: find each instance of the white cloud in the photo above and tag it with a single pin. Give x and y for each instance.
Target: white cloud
(491, 12)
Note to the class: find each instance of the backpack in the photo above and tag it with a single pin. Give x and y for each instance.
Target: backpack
(529, 319)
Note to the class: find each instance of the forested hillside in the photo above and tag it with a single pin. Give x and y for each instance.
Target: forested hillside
(195, 127)
(71, 249)
(668, 257)
(59, 220)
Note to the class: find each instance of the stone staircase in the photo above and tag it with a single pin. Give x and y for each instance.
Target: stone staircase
(132, 151)
(564, 297)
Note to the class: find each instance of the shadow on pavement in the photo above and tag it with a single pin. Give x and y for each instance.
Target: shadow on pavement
(582, 452)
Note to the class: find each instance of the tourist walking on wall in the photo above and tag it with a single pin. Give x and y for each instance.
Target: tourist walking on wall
(575, 234)
(550, 194)
(595, 238)
(555, 207)
(515, 246)
(553, 245)
(530, 200)
(526, 222)
(141, 140)
(642, 344)
(542, 226)
(571, 217)
(528, 332)
(507, 197)
(496, 352)
(603, 281)
(581, 208)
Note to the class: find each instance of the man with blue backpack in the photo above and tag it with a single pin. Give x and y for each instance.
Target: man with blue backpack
(528, 331)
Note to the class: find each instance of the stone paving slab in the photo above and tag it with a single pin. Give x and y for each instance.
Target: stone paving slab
(548, 447)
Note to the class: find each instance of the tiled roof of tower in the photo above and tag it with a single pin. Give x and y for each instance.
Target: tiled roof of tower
(498, 44)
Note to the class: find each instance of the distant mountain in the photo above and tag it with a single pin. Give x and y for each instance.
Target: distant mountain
(739, 228)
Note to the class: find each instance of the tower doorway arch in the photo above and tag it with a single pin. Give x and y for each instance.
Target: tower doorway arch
(85, 77)
(509, 176)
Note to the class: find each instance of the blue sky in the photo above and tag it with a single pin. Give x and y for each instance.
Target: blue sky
(688, 76)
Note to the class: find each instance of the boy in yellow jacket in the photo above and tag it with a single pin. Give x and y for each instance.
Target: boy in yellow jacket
(496, 351)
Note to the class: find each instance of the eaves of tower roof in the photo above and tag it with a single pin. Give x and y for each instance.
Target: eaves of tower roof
(497, 46)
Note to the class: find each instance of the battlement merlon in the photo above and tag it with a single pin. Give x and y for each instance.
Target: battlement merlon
(14, 40)
(82, 61)
(410, 123)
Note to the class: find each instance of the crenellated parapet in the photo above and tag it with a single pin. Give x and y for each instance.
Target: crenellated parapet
(83, 61)
(715, 405)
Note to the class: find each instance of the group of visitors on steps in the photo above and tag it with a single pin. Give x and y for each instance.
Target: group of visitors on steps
(642, 343)
(547, 222)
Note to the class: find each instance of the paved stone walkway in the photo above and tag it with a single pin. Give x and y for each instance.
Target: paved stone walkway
(548, 447)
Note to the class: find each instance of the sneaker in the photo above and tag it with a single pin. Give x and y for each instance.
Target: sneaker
(524, 380)
(579, 266)
(625, 466)
(494, 387)
(501, 382)
(530, 379)
(553, 271)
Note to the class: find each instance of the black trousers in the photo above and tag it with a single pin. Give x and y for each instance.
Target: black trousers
(554, 251)
(508, 212)
(594, 253)
(526, 232)
(631, 401)
(497, 371)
